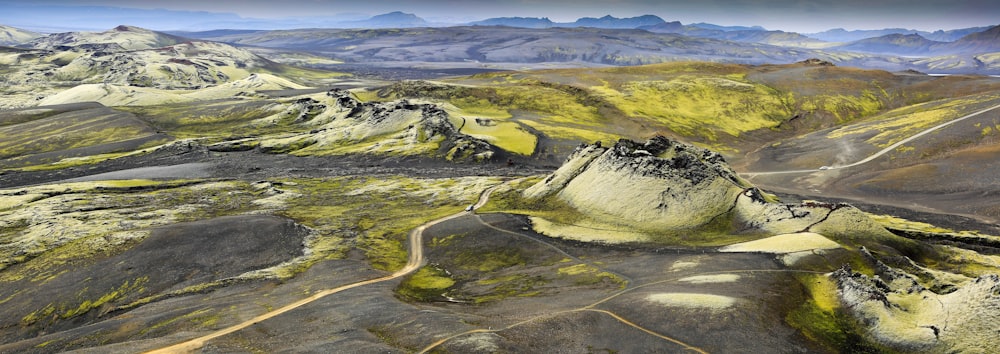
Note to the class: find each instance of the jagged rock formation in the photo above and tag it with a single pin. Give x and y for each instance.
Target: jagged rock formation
(342, 124)
(654, 184)
(901, 313)
(667, 185)
(816, 62)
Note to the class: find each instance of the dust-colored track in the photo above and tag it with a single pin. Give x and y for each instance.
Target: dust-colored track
(550, 315)
(415, 261)
(882, 152)
(592, 308)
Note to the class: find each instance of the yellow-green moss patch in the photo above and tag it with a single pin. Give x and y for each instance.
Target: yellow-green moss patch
(428, 283)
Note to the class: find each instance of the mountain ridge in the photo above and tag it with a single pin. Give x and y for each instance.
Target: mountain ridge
(978, 42)
(395, 19)
(941, 35)
(780, 38)
(12, 36)
(588, 46)
(607, 21)
(894, 43)
(128, 37)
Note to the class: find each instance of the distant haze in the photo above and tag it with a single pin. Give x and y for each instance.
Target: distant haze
(789, 15)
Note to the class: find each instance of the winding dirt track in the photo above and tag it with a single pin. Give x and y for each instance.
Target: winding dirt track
(415, 261)
(882, 152)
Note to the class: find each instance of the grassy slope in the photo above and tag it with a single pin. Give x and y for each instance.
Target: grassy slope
(215, 119)
(73, 134)
(375, 214)
(711, 104)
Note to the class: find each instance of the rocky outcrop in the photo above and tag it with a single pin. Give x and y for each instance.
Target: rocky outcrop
(816, 62)
(655, 184)
(900, 313)
(667, 185)
(343, 124)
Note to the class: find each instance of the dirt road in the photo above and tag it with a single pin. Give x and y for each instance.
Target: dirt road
(415, 261)
(880, 153)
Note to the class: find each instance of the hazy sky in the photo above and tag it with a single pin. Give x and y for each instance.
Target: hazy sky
(788, 15)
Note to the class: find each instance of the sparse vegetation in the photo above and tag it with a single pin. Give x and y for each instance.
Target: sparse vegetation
(214, 120)
(427, 284)
(66, 311)
(585, 274)
(69, 131)
(515, 285)
(97, 219)
(352, 211)
(821, 318)
(203, 318)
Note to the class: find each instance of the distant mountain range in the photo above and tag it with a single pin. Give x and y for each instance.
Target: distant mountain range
(606, 40)
(67, 18)
(587, 45)
(58, 18)
(754, 34)
(842, 35)
(603, 22)
(727, 28)
(395, 19)
(987, 41)
(980, 42)
(739, 34)
(894, 43)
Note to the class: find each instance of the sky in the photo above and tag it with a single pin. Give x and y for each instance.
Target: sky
(789, 15)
